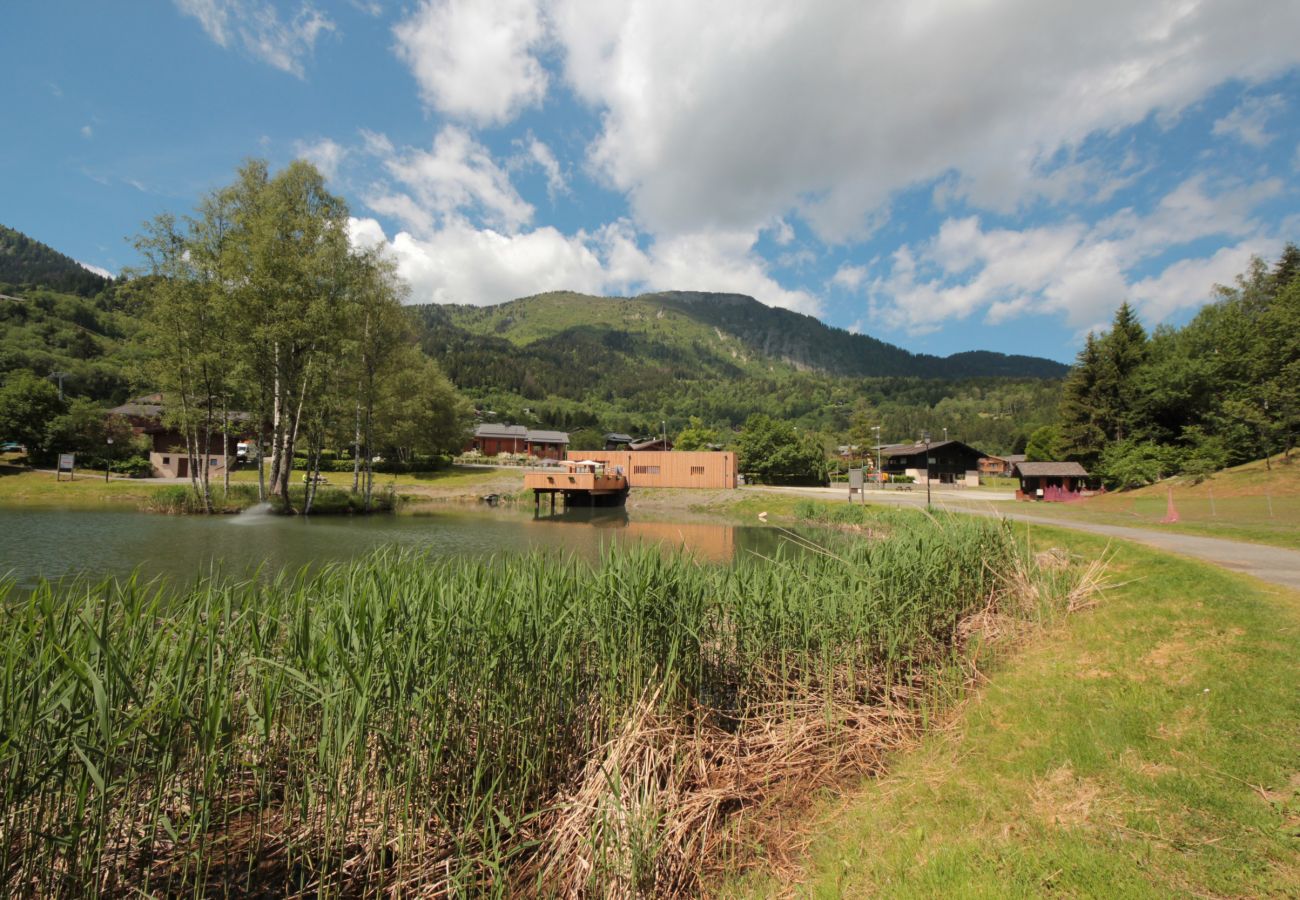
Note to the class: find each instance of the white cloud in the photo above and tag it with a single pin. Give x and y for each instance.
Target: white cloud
(1071, 269)
(98, 270)
(456, 177)
(758, 108)
(87, 131)
(325, 154)
(1248, 122)
(475, 59)
(1189, 283)
(849, 277)
(458, 263)
(542, 156)
(256, 27)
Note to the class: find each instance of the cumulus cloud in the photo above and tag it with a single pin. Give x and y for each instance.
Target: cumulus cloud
(1248, 122)
(1079, 271)
(326, 154)
(255, 27)
(544, 159)
(459, 263)
(457, 177)
(475, 59)
(827, 109)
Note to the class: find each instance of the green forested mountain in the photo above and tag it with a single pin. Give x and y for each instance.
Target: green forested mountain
(27, 262)
(733, 328)
(87, 339)
(642, 364)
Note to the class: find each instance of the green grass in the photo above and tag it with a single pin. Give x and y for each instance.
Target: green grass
(23, 487)
(1147, 747)
(405, 720)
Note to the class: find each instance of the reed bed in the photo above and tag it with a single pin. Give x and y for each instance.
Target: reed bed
(408, 725)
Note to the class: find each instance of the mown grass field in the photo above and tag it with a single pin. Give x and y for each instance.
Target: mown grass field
(531, 724)
(1246, 503)
(1149, 746)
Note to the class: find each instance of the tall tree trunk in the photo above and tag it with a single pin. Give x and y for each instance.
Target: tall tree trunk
(356, 447)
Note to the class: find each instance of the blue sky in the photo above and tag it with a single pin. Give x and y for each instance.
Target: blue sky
(996, 175)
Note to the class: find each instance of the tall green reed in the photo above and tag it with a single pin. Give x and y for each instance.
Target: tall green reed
(404, 718)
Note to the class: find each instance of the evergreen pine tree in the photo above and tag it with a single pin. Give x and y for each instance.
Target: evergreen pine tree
(1082, 438)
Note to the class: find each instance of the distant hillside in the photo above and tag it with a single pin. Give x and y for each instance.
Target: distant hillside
(29, 263)
(736, 330)
(86, 339)
(572, 361)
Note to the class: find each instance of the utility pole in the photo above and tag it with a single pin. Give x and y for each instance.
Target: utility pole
(59, 376)
(925, 436)
(945, 434)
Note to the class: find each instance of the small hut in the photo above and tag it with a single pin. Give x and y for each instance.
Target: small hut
(1051, 481)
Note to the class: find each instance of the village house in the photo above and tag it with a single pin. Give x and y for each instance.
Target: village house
(493, 439)
(951, 462)
(1001, 466)
(1052, 481)
(169, 455)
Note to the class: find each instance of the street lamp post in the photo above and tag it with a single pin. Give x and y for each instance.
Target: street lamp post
(925, 436)
(108, 463)
(880, 479)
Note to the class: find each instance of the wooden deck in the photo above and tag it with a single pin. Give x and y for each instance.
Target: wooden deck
(580, 487)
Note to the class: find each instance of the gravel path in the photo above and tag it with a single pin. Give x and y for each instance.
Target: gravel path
(1273, 564)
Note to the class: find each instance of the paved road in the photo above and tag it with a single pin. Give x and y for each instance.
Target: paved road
(1273, 564)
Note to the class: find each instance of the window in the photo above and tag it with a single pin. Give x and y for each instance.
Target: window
(167, 460)
(697, 470)
(645, 470)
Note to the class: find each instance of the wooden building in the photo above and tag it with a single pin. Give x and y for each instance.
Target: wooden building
(493, 440)
(951, 462)
(1052, 481)
(1001, 466)
(616, 440)
(661, 468)
(169, 454)
(584, 482)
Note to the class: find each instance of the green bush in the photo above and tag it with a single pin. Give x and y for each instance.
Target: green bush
(134, 466)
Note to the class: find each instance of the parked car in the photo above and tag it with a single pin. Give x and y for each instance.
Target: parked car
(11, 447)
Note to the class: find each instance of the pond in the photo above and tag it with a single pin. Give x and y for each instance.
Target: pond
(56, 543)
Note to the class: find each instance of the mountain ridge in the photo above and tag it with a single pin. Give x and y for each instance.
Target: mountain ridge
(739, 326)
(26, 261)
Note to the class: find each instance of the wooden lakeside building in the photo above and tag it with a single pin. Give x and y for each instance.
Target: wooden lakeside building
(712, 469)
(583, 482)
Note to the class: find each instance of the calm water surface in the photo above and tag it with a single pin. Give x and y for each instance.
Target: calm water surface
(54, 543)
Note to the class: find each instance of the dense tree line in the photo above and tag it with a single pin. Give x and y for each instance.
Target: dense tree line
(1222, 390)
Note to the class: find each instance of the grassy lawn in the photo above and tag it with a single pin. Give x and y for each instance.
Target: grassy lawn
(1149, 746)
(1246, 503)
(23, 487)
(450, 478)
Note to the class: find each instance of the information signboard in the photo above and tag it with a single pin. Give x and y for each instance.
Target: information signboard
(67, 461)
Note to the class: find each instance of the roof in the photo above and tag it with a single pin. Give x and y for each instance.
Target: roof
(147, 407)
(548, 437)
(150, 406)
(1051, 470)
(615, 437)
(1014, 458)
(914, 449)
(491, 430)
(650, 444)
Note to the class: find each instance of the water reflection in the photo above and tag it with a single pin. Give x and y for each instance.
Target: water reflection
(708, 540)
(56, 543)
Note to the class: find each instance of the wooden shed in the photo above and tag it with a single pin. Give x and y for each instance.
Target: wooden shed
(1052, 481)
